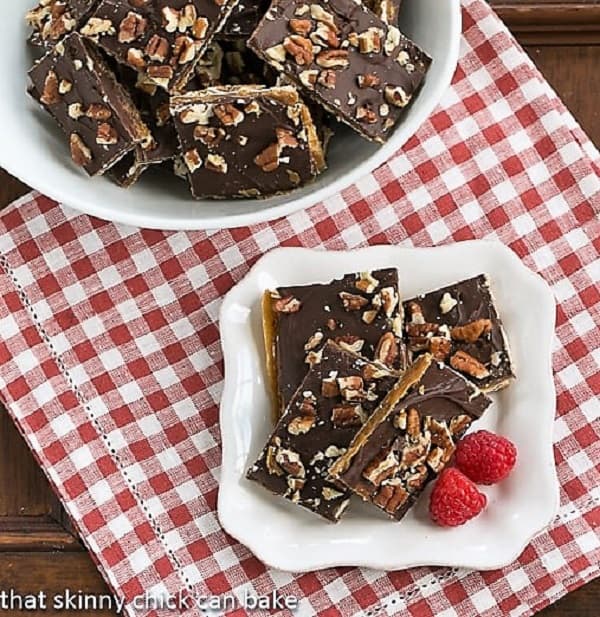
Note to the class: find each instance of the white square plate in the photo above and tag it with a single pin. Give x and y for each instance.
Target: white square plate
(287, 537)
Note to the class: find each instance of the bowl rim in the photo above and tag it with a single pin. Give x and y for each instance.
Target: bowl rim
(87, 205)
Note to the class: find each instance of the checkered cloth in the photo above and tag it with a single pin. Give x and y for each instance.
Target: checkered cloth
(111, 367)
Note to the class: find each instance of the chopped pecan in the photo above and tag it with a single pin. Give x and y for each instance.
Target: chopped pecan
(300, 48)
(366, 283)
(391, 497)
(413, 424)
(295, 485)
(228, 114)
(96, 26)
(215, 162)
(348, 415)
(372, 372)
(290, 462)
(132, 27)
(192, 160)
(287, 304)
(441, 437)
(309, 78)
(351, 387)
(389, 300)
(333, 58)
(300, 26)
(472, 331)
(268, 159)
(301, 425)
(106, 135)
(416, 313)
(65, 86)
(97, 111)
(313, 357)
(80, 153)
(208, 135)
(383, 466)
(272, 466)
(364, 114)
(331, 323)
(392, 40)
(369, 80)
(440, 347)
(350, 342)
(400, 420)
(170, 18)
(327, 78)
(325, 34)
(417, 330)
(395, 95)
(160, 74)
(369, 41)
(459, 424)
(199, 28)
(50, 94)
(329, 387)
(387, 350)
(320, 14)
(285, 138)
(416, 478)
(466, 363)
(184, 49)
(369, 316)
(135, 58)
(352, 302)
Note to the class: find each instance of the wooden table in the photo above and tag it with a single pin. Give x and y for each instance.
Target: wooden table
(38, 548)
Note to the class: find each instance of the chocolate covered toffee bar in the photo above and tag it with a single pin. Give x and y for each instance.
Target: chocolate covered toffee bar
(75, 85)
(346, 58)
(162, 40)
(410, 437)
(459, 324)
(360, 311)
(334, 400)
(246, 141)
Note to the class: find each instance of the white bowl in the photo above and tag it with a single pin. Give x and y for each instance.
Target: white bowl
(33, 149)
(287, 537)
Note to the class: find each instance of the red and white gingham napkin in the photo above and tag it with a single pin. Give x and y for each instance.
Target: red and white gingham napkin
(110, 361)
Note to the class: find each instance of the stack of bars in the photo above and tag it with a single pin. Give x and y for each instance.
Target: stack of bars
(235, 95)
(372, 393)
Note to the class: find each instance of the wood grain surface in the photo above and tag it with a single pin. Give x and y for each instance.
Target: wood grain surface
(38, 548)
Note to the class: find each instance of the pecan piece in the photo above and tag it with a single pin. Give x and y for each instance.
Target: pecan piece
(348, 415)
(366, 283)
(300, 26)
(290, 462)
(471, 332)
(391, 497)
(459, 424)
(272, 467)
(387, 350)
(157, 48)
(288, 304)
(447, 303)
(369, 316)
(352, 302)
(80, 153)
(135, 58)
(268, 159)
(50, 94)
(313, 341)
(369, 80)
(300, 48)
(466, 363)
(209, 136)
(327, 78)
(417, 478)
(285, 138)
(192, 160)
(440, 347)
(106, 135)
(351, 387)
(389, 300)
(413, 424)
(329, 387)
(132, 27)
(364, 114)
(184, 49)
(301, 425)
(350, 342)
(369, 41)
(395, 95)
(309, 78)
(333, 58)
(97, 111)
(416, 313)
(383, 466)
(228, 114)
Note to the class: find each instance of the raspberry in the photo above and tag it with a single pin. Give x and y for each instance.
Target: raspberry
(485, 458)
(455, 499)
